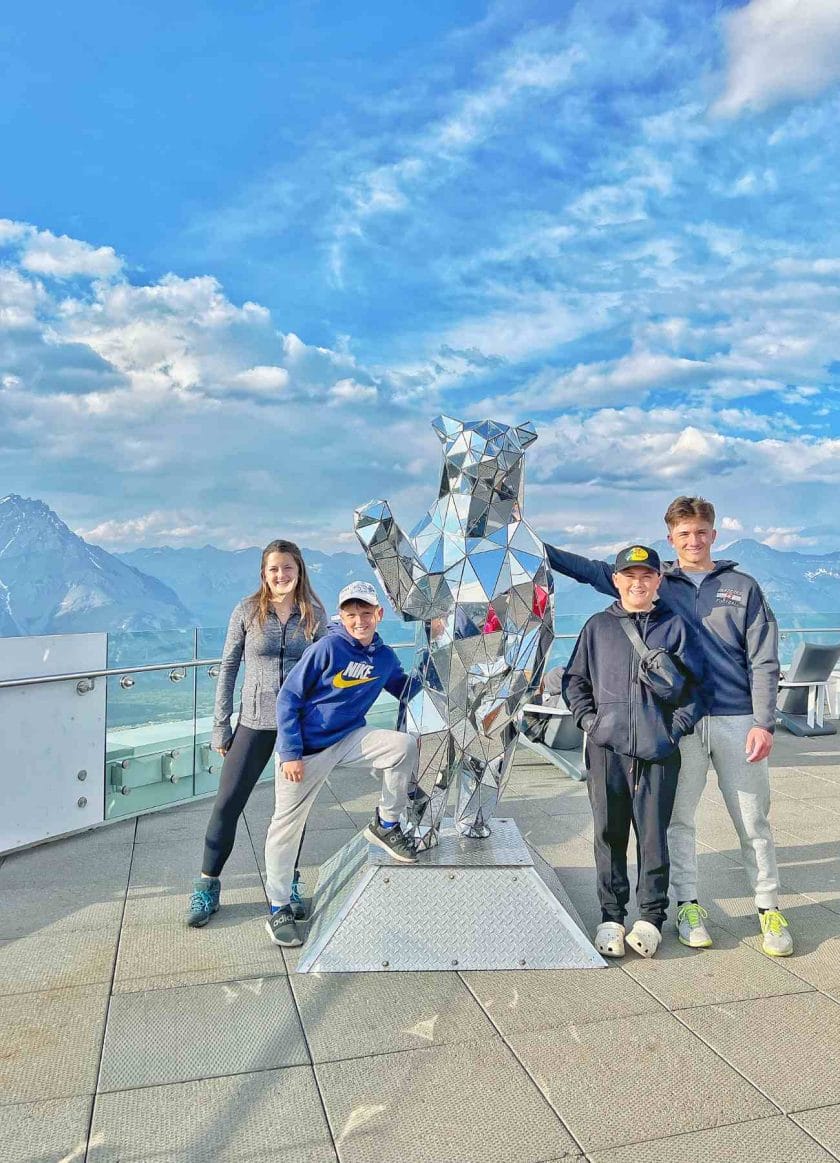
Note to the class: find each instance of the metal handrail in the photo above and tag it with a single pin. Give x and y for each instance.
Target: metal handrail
(190, 665)
(82, 674)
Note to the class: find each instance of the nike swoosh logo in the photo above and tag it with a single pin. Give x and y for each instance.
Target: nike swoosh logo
(341, 682)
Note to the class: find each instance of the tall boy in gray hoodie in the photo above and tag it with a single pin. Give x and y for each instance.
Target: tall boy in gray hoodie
(739, 636)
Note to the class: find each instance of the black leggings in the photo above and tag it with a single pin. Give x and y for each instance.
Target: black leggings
(244, 763)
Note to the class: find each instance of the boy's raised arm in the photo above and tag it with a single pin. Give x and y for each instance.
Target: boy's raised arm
(598, 574)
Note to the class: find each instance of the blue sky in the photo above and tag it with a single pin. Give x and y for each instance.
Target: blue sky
(248, 252)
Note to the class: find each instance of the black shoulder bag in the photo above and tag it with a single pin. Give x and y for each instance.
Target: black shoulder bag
(658, 669)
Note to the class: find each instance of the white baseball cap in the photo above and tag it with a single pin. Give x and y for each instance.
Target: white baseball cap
(358, 591)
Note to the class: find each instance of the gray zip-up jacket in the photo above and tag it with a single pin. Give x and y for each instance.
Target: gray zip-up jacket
(270, 651)
(738, 631)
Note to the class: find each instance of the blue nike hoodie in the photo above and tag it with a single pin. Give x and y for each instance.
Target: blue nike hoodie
(331, 689)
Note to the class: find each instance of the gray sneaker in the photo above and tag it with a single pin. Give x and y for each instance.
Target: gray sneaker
(690, 927)
(398, 846)
(204, 901)
(777, 939)
(282, 929)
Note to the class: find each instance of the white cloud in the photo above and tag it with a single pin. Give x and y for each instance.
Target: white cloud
(150, 528)
(348, 391)
(263, 379)
(818, 268)
(524, 71)
(779, 537)
(732, 524)
(58, 256)
(779, 50)
(619, 381)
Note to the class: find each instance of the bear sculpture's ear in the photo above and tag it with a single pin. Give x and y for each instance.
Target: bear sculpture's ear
(446, 427)
(526, 433)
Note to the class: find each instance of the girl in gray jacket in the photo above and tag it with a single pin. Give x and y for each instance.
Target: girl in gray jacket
(270, 630)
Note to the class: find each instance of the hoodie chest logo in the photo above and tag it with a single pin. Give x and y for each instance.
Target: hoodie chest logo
(730, 598)
(354, 674)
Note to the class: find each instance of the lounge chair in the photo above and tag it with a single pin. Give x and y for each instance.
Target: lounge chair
(558, 739)
(803, 690)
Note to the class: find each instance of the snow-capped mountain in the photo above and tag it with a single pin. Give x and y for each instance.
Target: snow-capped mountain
(211, 581)
(53, 582)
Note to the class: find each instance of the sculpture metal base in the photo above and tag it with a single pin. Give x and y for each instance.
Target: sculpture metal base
(466, 904)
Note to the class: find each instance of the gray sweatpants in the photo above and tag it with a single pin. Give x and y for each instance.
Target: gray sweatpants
(391, 752)
(745, 788)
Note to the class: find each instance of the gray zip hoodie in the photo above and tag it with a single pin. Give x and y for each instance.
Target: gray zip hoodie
(270, 651)
(738, 630)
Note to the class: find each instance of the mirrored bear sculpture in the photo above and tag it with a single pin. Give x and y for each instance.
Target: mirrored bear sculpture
(476, 577)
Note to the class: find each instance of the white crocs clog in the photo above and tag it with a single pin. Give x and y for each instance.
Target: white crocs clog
(645, 938)
(609, 939)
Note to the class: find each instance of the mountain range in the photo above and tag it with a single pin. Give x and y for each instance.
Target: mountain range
(53, 582)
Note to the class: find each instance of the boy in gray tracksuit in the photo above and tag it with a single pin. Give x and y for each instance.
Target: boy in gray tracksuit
(739, 636)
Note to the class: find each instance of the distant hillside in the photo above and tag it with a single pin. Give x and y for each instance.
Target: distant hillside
(216, 579)
(53, 582)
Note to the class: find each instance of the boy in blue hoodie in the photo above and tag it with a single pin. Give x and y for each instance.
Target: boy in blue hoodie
(321, 712)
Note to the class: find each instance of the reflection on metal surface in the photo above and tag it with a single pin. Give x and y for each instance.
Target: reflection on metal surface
(476, 577)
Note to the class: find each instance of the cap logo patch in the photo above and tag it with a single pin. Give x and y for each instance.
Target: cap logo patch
(637, 554)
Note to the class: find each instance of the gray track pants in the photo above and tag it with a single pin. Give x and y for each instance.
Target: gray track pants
(391, 752)
(745, 788)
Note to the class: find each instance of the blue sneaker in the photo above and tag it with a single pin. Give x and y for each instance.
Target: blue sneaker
(204, 901)
(296, 900)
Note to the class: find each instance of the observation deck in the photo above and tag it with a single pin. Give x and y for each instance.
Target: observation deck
(125, 1036)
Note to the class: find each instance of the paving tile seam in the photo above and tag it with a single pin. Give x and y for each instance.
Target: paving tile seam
(5, 1106)
(403, 1050)
(699, 1130)
(192, 984)
(810, 1134)
(110, 991)
(306, 1065)
(327, 1122)
(104, 980)
(156, 984)
(543, 1095)
(731, 1065)
(557, 1026)
(714, 1005)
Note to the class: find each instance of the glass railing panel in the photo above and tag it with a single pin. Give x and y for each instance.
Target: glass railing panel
(150, 722)
(796, 629)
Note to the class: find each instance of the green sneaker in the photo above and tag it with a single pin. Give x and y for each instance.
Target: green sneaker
(777, 939)
(690, 927)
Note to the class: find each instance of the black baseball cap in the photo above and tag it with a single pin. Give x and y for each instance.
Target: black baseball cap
(638, 555)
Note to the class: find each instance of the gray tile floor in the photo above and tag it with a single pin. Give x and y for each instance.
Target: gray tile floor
(126, 1036)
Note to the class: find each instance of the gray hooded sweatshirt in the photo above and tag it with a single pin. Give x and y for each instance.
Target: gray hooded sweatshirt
(738, 631)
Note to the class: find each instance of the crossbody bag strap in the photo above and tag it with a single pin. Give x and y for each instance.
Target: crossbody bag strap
(635, 637)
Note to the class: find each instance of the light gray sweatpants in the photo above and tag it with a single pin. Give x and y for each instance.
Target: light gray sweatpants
(745, 788)
(392, 752)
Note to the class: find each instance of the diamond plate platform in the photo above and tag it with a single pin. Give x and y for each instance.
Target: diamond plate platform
(466, 904)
